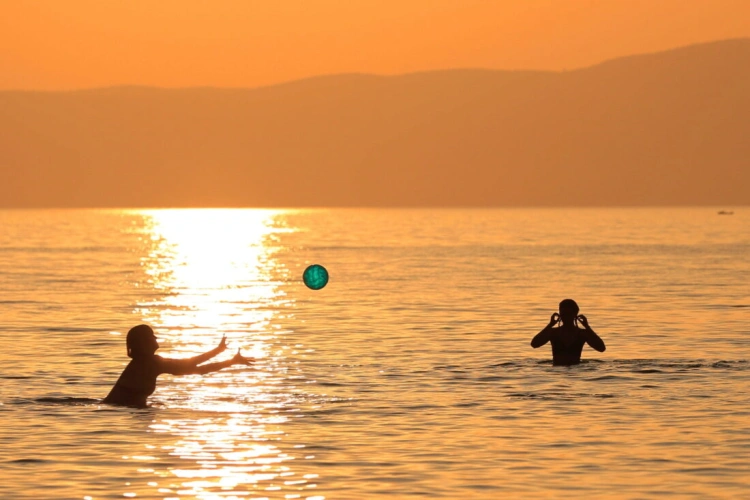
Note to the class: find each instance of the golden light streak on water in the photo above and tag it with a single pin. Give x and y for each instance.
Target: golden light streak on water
(213, 273)
(215, 267)
(409, 375)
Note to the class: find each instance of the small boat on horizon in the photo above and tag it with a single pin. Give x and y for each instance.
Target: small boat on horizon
(725, 212)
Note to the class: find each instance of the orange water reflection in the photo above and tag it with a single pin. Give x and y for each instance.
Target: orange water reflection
(212, 273)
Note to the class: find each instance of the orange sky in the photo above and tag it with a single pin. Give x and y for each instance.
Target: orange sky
(56, 44)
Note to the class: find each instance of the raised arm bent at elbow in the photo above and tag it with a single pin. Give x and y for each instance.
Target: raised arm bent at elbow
(202, 358)
(545, 335)
(592, 339)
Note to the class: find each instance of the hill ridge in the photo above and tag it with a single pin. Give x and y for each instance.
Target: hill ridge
(667, 129)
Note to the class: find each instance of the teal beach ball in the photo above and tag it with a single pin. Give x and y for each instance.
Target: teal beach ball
(315, 277)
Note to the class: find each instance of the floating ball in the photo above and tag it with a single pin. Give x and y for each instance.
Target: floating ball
(315, 277)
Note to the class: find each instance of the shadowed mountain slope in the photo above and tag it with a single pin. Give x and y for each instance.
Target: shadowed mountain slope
(658, 129)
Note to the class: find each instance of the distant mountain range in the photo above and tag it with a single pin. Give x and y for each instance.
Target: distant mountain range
(671, 128)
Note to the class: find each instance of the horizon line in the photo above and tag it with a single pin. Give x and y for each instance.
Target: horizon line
(387, 207)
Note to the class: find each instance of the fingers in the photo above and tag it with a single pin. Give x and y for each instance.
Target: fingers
(239, 358)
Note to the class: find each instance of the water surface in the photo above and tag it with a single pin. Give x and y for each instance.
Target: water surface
(409, 375)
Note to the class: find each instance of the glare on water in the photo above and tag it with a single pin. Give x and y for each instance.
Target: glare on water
(409, 375)
(213, 273)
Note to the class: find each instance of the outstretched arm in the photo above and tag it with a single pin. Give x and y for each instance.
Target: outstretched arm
(544, 336)
(181, 367)
(592, 338)
(238, 359)
(202, 358)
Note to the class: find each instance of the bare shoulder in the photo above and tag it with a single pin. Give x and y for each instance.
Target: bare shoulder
(162, 362)
(171, 365)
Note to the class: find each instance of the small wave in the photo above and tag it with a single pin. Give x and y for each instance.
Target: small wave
(494, 378)
(731, 365)
(64, 329)
(657, 364)
(661, 365)
(593, 369)
(67, 401)
(506, 363)
(559, 396)
(604, 378)
(58, 250)
(449, 367)
(28, 461)
(56, 329)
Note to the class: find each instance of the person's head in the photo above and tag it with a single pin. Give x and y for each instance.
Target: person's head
(568, 311)
(141, 341)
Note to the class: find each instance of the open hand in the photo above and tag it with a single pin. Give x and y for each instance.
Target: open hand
(554, 319)
(582, 320)
(239, 359)
(223, 344)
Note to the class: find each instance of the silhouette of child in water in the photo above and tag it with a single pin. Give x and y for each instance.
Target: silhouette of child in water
(567, 339)
(138, 380)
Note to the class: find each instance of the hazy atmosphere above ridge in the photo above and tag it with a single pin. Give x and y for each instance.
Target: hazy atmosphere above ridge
(330, 104)
(79, 44)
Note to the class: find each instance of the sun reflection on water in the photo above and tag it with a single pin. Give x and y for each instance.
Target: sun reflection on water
(211, 273)
(216, 267)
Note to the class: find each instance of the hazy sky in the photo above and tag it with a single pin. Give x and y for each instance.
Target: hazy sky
(68, 44)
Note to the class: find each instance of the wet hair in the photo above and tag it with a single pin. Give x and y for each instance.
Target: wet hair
(135, 337)
(568, 307)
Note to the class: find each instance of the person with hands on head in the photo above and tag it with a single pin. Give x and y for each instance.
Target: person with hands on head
(568, 339)
(138, 380)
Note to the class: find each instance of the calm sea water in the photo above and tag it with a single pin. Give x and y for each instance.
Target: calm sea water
(409, 376)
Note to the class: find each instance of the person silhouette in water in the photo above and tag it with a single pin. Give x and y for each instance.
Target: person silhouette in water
(138, 380)
(567, 339)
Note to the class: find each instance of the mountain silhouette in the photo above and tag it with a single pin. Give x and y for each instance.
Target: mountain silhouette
(669, 128)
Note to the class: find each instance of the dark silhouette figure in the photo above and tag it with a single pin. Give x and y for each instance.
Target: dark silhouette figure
(567, 339)
(138, 380)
